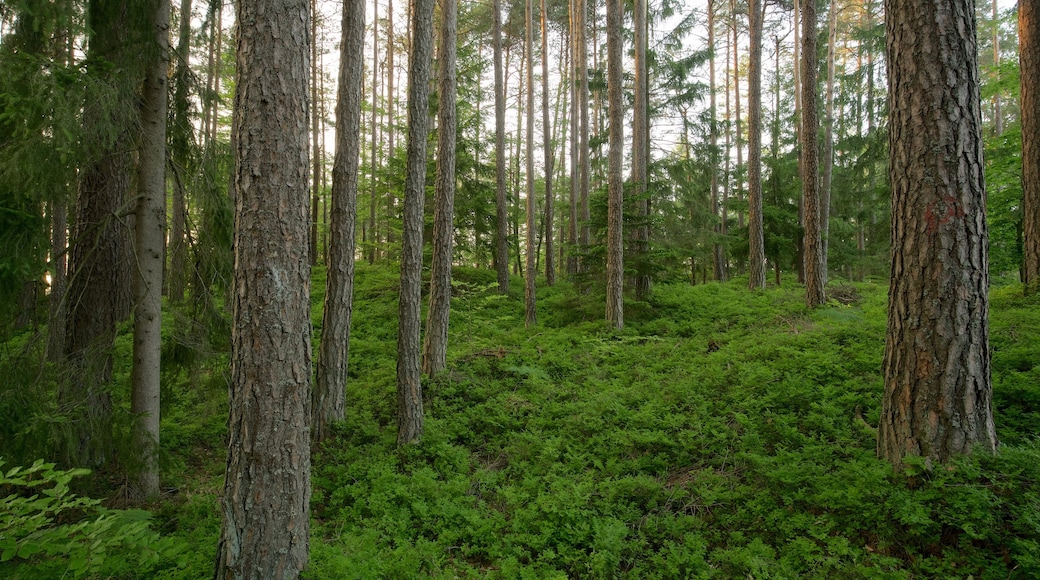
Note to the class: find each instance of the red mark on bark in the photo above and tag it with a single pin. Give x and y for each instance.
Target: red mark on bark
(941, 212)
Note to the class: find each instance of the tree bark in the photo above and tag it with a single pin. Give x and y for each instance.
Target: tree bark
(810, 163)
(530, 310)
(828, 139)
(409, 390)
(937, 400)
(501, 208)
(267, 490)
(641, 147)
(435, 347)
(100, 289)
(373, 238)
(584, 155)
(756, 241)
(550, 266)
(615, 186)
(180, 145)
(329, 398)
(59, 281)
(718, 259)
(572, 215)
(150, 241)
(1029, 60)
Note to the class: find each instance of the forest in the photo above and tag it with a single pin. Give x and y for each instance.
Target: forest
(519, 289)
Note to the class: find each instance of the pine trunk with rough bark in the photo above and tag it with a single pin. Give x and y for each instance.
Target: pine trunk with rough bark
(501, 207)
(812, 241)
(150, 237)
(828, 139)
(180, 152)
(718, 259)
(435, 347)
(100, 291)
(938, 392)
(266, 501)
(584, 155)
(1029, 101)
(756, 240)
(547, 147)
(615, 186)
(641, 147)
(530, 309)
(56, 300)
(409, 389)
(329, 397)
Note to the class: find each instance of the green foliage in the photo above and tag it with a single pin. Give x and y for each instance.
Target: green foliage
(721, 434)
(48, 531)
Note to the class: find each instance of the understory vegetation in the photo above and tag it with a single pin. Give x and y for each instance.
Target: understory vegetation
(721, 434)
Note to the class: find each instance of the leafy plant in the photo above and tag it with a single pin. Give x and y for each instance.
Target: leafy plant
(46, 530)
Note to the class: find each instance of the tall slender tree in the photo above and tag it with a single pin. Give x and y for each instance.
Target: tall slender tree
(329, 397)
(100, 287)
(150, 217)
(584, 154)
(827, 172)
(810, 163)
(938, 391)
(501, 208)
(530, 310)
(180, 152)
(718, 258)
(641, 145)
(547, 149)
(615, 186)
(409, 389)
(1029, 101)
(435, 346)
(756, 239)
(373, 185)
(266, 503)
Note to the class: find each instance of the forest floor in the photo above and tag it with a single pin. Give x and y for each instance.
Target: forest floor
(721, 434)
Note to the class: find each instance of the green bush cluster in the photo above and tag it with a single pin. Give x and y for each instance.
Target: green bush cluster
(721, 434)
(46, 531)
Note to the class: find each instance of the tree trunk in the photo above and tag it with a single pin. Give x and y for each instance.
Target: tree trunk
(547, 146)
(180, 145)
(391, 108)
(1029, 59)
(756, 242)
(998, 121)
(718, 263)
(373, 238)
(150, 238)
(57, 305)
(572, 216)
(266, 524)
(409, 390)
(738, 133)
(615, 185)
(435, 347)
(530, 312)
(810, 165)
(501, 208)
(329, 398)
(937, 400)
(315, 134)
(828, 139)
(584, 160)
(641, 148)
(100, 288)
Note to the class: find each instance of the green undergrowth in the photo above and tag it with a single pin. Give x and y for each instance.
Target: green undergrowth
(723, 433)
